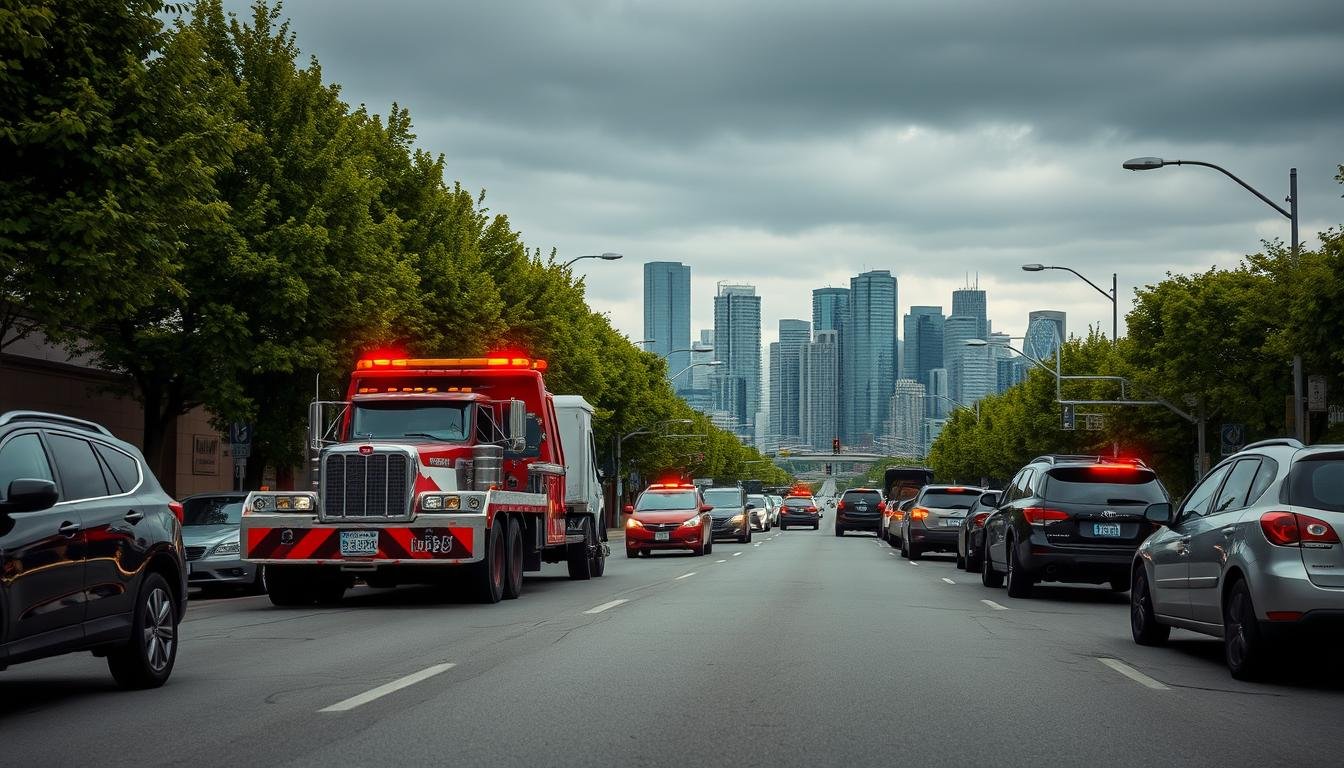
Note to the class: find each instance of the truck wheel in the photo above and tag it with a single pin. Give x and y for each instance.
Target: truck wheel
(330, 591)
(599, 565)
(287, 588)
(487, 576)
(513, 560)
(580, 563)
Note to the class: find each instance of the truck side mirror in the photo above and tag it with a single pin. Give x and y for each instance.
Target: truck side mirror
(517, 426)
(315, 426)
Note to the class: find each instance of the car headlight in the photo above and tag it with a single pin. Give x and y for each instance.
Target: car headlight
(738, 517)
(633, 523)
(693, 522)
(226, 548)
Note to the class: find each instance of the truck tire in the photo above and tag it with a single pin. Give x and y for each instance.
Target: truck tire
(579, 561)
(487, 576)
(288, 588)
(599, 566)
(513, 559)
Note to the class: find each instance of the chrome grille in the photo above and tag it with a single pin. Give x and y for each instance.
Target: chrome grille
(195, 553)
(659, 527)
(355, 485)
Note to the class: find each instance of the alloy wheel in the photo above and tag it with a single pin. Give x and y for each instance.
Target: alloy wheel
(159, 633)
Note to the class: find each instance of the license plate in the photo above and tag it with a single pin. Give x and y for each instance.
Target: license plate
(1106, 529)
(951, 522)
(662, 536)
(863, 507)
(359, 543)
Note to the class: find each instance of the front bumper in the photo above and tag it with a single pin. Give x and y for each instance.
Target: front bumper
(677, 538)
(725, 529)
(221, 571)
(300, 539)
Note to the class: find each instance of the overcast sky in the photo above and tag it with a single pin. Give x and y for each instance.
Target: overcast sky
(795, 144)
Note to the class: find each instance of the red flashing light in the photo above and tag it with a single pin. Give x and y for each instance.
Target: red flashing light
(956, 489)
(496, 360)
(1042, 515)
(671, 485)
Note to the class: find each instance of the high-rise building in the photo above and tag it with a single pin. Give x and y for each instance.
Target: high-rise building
(904, 430)
(1045, 329)
(936, 404)
(956, 332)
(971, 302)
(737, 343)
(869, 343)
(667, 316)
(923, 342)
(830, 307)
(700, 394)
(819, 390)
(1012, 371)
(785, 355)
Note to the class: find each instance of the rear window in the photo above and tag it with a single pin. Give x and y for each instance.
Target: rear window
(1318, 482)
(1103, 485)
(865, 497)
(947, 499)
(666, 500)
(795, 502)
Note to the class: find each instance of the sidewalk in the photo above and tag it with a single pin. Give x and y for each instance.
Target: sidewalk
(615, 534)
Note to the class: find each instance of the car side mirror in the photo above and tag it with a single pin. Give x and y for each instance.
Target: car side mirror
(989, 499)
(628, 509)
(1159, 513)
(706, 507)
(29, 495)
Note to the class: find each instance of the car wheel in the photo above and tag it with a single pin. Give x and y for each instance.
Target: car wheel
(513, 559)
(905, 548)
(972, 562)
(631, 552)
(709, 545)
(961, 561)
(839, 531)
(1143, 624)
(330, 591)
(288, 588)
(988, 576)
(1244, 645)
(146, 659)
(258, 585)
(913, 551)
(1017, 581)
(783, 527)
(816, 526)
(487, 576)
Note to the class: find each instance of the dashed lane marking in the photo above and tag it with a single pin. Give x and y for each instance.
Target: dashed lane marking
(949, 581)
(912, 562)
(684, 576)
(386, 688)
(1133, 674)
(757, 544)
(720, 561)
(606, 606)
(995, 605)
(737, 554)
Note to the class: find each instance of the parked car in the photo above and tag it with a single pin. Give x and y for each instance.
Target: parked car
(971, 534)
(762, 512)
(730, 513)
(799, 510)
(668, 516)
(778, 502)
(896, 520)
(1252, 555)
(210, 525)
(1069, 518)
(934, 518)
(900, 484)
(859, 509)
(90, 549)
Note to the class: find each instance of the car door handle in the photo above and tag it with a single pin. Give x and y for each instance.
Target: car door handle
(134, 516)
(68, 528)
(1229, 530)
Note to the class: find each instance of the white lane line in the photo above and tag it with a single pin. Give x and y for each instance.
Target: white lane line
(684, 576)
(383, 690)
(995, 605)
(893, 554)
(737, 554)
(720, 561)
(757, 544)
(606, 606)
(949, 581)
(912, 562)
(1133, 674)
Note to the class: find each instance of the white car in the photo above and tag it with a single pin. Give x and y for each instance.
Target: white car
(763, 512)
(774, 511)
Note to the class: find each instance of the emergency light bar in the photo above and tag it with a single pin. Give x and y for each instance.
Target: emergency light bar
(526, 363)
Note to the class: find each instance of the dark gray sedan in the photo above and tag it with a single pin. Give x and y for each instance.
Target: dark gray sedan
(971, 535)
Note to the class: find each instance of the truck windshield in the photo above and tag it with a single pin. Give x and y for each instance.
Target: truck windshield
(390, 420)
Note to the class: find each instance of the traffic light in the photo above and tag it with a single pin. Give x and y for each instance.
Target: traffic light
(835, 446)
(1069, 420)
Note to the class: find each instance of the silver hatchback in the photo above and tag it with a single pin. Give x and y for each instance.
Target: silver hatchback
(1252, 555)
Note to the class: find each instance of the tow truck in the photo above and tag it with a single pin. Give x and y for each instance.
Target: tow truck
(460, 472)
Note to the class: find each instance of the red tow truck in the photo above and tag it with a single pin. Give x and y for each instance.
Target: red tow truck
(450, 471)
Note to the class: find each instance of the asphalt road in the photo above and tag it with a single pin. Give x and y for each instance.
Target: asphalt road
(799, 649)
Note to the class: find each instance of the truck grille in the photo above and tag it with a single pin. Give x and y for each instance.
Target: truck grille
(355, 485)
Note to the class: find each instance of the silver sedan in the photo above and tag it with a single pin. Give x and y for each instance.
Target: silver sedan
(210, 533)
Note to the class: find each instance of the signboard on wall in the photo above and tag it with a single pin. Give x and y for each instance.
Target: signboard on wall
(205, 454)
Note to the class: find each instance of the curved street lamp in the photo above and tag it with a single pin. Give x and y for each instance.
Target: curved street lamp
(608, 256)
(1112, 295)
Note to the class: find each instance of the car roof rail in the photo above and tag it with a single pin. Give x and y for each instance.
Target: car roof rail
(1286, 442)
(53, 418)
(1055, 458)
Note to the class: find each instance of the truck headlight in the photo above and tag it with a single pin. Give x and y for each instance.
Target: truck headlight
(434, 502)
(226, 548)
(291, 503)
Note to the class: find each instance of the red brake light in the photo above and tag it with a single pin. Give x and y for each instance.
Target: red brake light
(978, 520)
(840, 505)
(1287, 529)
(1043, 515)
(810, 509)
(176, 507)
(956, 490)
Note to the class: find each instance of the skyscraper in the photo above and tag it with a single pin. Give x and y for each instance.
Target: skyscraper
(785, 355)
(923, 342)
(869, 344)
(905, 427)
(830, 307)
(667, 315)
(1045, 328)
(700, 395)
(819, 390)
(737, 343)
(956, 332)
(970, 302)
(935, 394)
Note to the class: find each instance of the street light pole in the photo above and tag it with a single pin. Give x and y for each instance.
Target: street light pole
(1113, 295)
(620, 475)
(608, 256)
(1153, 163)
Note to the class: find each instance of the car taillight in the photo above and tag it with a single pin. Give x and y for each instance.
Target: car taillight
(840, 505)
(919, 513)
(810, 509)
(1289, 529)
(979, 520)
(1043, 515)
(176, 507)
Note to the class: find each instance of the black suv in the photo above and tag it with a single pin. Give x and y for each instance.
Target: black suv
(1069, 518)
(90, 548)
(859, 509)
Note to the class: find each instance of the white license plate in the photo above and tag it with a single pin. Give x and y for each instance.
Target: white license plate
(951, 522)
(862, 507)
(359, 543)
(662, 536)
(1106, 529)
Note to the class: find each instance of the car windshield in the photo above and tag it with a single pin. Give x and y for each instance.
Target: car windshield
(1318, 482)
(865, 497)
(656, 501)
(949, 499)
(390, 420)
(758, 500)
(212, 510)
(723, 497)
(1103, 484)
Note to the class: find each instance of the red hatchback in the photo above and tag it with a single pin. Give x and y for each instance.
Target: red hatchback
(668, 516)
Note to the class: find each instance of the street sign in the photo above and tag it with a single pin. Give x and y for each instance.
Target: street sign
(1069, 420)
(1316, 393)
(240, 440)
(1233, 438)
